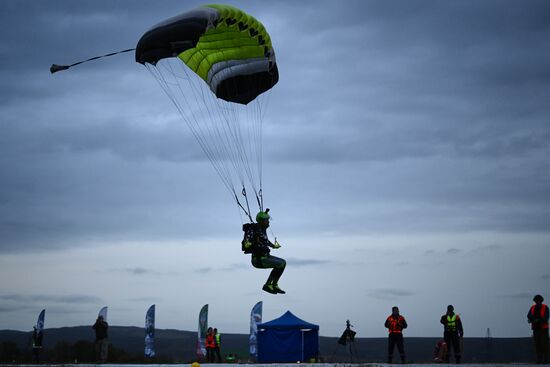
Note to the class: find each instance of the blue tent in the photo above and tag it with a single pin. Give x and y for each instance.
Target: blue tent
(287, 339)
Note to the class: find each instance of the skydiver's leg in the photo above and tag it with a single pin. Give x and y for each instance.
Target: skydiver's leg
(277, 264)
(266, 262)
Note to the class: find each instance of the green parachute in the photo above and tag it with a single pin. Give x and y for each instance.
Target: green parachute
(215, 62)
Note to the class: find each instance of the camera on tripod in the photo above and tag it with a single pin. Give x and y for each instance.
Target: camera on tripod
(348, 341)
(348, 336)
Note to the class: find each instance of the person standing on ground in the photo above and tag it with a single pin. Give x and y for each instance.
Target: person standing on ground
(101, 339)
(217, 341)
(395, 323)
(36, 344)
(538, 318)
(453, 333)
(210, 345)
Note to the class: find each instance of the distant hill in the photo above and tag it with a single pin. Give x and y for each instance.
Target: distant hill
(179, 346)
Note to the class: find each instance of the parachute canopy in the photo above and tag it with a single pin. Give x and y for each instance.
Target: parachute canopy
(229, 49)
(217, 65)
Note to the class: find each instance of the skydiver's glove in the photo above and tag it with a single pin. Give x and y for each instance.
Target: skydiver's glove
(247, 244)
(276, 244)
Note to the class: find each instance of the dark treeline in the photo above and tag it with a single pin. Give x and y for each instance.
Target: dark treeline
(126, 345)
(67, 345)
(81, 351)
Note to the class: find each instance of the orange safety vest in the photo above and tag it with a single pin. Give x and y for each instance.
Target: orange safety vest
(543, 308)
(210, 341)
(395, 324)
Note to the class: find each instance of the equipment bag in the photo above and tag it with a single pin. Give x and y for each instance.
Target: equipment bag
(248, 229)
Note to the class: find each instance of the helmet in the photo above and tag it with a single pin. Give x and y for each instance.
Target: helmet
(538, 298)
(262, 216)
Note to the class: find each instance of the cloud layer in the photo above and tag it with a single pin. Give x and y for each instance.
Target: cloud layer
(405, 142)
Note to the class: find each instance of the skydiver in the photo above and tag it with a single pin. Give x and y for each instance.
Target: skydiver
(258, 244)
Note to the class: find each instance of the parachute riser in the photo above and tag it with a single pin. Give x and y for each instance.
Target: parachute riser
(247, 204)
(260, 200)
(243, 209)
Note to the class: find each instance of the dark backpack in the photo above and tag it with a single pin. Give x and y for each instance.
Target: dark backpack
(248, 229)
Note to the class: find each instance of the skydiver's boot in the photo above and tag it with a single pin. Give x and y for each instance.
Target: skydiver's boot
(390, 357)
(269, 288)
(277, 289)
(402, 358)
(457, 359)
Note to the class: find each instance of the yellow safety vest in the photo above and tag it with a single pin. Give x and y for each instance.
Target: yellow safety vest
(451, 322)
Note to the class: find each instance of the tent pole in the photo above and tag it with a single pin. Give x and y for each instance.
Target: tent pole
(302, 346)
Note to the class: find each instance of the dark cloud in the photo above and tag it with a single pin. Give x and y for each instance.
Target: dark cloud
(5, 308)
(143, 299)
(488, 249)
(139, 271)
(437, 109)
(307, 262)
(430, 63)
(243, 266)
(389, 293)
(521, 295)
(71, 298)
(204, 270)
(396, 118)
(235, 267)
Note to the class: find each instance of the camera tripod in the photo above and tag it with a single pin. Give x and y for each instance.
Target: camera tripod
(348, 341)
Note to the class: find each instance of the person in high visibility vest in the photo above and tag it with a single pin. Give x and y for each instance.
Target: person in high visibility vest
(453, 333)
(210, 344)
(538, 318)
(395, 323)
(218, 341)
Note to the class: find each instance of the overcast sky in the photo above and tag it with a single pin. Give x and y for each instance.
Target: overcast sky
(406, 163)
